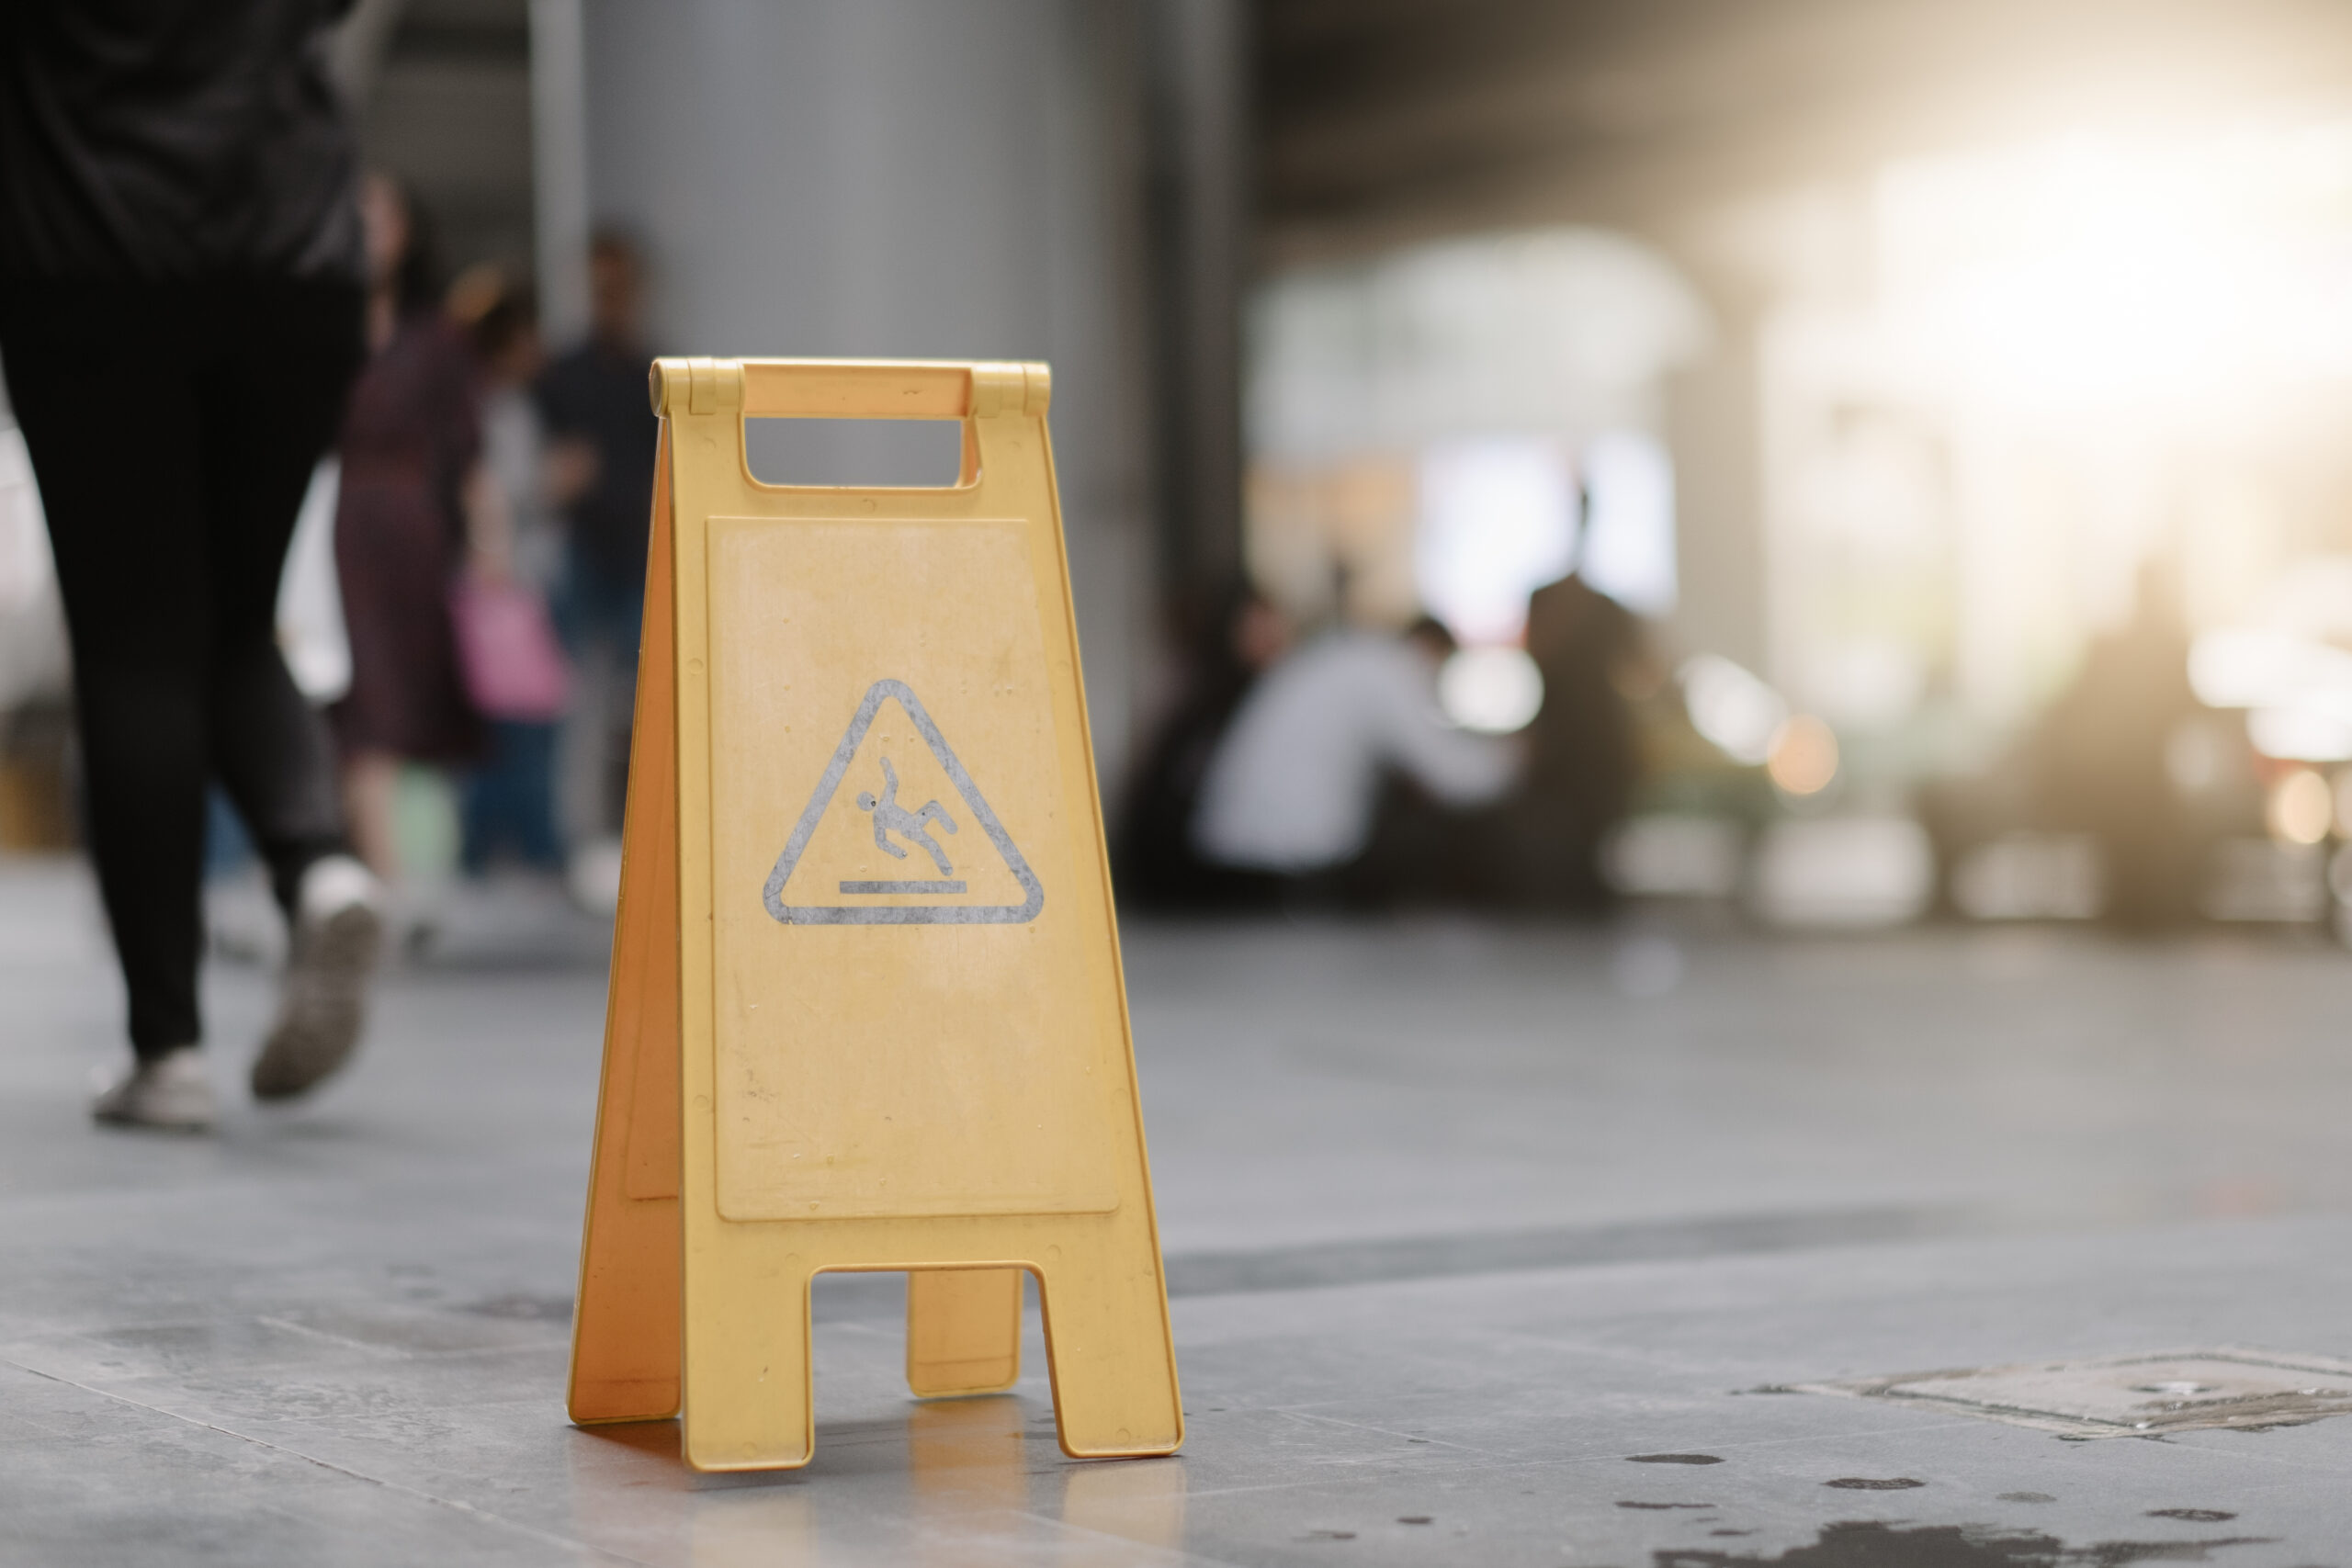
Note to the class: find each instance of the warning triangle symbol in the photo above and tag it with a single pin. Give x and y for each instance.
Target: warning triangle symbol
(908, 829)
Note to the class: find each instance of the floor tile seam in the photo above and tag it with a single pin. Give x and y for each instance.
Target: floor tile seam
(1666, 1361)
(1505, 1466)
(1945, 1223)
(2249, 1455)
(1523, 1467)
(872, 1323)
(49, 1330)
(412, 1353)
(1303, 1415)
(322, 1420)
(454, 1505)
(1989, 1425)
(386, 1360)
(1963, 1423)
(379, 1352)
(1193, 1493)
(1312, 1408)
(1619, 1266)
(156, 1202)
(1707, 1395)
(1173, 1554)
(1662, 1360)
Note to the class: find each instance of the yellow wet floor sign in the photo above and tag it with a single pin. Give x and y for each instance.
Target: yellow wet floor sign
(867, 1011)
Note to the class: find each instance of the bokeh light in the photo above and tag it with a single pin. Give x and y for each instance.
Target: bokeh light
(2302, 808)
(1731, 708)
(1495, 690)
(1804, 756)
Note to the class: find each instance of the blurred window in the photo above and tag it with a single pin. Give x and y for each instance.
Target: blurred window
(1628, 550)
(1497, 521)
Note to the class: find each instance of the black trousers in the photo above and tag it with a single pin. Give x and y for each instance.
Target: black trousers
(173, 429)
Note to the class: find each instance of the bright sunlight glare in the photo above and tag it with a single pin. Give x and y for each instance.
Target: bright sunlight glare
(2094, 273)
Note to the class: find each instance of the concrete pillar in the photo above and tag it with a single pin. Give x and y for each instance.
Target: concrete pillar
(1197, 55)
(560, 216)
(1714, 429)
(904, 178)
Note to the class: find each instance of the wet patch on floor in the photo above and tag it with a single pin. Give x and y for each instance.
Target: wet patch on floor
(1673, 1459)
(1874, 1482)
(1872, 1544)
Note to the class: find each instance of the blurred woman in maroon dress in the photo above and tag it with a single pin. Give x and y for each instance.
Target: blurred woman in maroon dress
(414, 506)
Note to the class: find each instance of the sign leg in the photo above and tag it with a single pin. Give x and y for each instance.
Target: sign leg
(748, 1394)
(1114, 1369)
(963, 1331)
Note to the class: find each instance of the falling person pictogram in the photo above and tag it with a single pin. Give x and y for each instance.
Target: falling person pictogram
(914, 827)
(908, 825)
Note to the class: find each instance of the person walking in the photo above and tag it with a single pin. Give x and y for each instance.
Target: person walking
(507, 802)
(180, 287)
(601, 438)
(416, 506)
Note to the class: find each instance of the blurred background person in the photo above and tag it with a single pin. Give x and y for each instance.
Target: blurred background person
(514, 670)
(1582, 761)
(1288, 805)
(600, 435)
(187, 229)
(2098, 765)
(417, 508)
(1154, 860)
(36, 679)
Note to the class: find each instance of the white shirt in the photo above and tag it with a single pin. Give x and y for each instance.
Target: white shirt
(512, 447)
(1296, 779)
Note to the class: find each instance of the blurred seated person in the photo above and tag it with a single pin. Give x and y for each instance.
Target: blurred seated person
(1154, 864)
(1582, 760)
(1288, 804)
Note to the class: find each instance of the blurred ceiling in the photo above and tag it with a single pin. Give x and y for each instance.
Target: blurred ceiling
(1386, 120)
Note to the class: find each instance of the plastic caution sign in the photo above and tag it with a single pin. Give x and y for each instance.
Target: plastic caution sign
(867, 1011)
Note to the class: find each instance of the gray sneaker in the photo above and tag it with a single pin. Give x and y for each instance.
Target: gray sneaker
(331, 956)
(172, 1092)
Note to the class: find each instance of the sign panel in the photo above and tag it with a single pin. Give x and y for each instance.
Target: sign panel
(909, 1026)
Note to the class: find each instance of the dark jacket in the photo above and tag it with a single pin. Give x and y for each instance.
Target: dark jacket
(173, 140)
(595, 392)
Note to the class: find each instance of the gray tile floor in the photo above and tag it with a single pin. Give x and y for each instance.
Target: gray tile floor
(1463, 1222)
